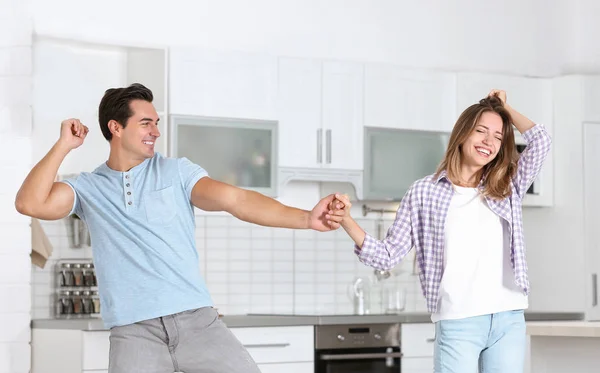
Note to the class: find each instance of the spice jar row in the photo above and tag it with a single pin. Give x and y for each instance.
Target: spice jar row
(77, 304)
(76, 274)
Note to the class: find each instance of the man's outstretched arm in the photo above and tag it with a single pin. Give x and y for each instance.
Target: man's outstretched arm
(212, 195)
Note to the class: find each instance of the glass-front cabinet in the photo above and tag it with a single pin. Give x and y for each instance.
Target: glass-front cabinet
(241, 152)
(395, 158)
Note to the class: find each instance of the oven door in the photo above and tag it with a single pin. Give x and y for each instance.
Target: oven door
(363, 360)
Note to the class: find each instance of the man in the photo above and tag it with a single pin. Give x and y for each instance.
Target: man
(139, 207)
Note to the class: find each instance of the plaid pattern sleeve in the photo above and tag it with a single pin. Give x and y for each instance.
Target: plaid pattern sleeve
(385, 254)
(530, 163)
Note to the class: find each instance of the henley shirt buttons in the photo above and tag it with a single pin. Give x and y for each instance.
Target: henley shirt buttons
(127, 185)
(129, 203)
(128, 193)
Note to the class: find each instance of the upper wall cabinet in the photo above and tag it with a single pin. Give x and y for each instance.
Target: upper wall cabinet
(222, 84)
(409, 99)
(530, 97)
(320, 114)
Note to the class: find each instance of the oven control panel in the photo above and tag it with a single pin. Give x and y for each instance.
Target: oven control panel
(357, 336)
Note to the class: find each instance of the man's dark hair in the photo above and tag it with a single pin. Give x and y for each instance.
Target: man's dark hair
(115, 105)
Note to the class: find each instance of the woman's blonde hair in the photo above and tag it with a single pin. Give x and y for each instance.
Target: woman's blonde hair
(497, 175)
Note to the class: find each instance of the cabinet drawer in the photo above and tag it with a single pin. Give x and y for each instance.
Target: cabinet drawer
(417, 365)
(278, 344)
(96, 346)
(418, 340)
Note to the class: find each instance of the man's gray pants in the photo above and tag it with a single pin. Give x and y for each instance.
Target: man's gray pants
(194, 341)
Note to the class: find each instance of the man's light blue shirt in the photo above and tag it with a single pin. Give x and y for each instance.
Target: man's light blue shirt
(142, 229)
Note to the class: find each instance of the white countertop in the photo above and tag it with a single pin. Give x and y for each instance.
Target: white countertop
(586, 329)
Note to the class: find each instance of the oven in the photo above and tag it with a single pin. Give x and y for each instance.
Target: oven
(367, 348)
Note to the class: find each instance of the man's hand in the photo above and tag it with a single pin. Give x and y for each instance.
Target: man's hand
(341, 206)
(72, 133)
(322, 218)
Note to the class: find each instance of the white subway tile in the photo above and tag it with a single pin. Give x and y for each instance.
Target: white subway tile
(15, 61)
(15, 299)
(244, 233)
(283, 233)
(216, 222)
(261, 277)
(239, 288)
(15, 269)
(15, 327)
(305, 288)
(16, 238)
(282, 308)
(261, 244)
(283, 255)
(239, 266)
(15, 91)
(239, 277)
(15, 25)
(325, 245)
(262, 232)
(305, 234)
(265, 266)
(15, 151)
(283, 245)
(304, 267)
(242, 255)
(216, 255)
(283, 278)
(304, 278)
(261, 255)
(15, 357)
(216, 244)
(283, 288)
(240, 244)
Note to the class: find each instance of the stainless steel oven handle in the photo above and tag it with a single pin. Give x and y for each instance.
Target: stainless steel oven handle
(382, 355)
(267, 345)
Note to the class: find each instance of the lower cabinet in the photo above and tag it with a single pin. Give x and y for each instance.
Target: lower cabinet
(278, 349)
(275, 349)
(417, 347)
(305, 367)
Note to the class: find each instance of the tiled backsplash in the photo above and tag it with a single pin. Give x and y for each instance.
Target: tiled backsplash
(254, 269)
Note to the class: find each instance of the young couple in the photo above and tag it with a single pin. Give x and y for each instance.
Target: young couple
(464, 222)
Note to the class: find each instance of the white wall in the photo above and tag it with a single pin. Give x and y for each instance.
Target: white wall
(513, 36)
(15, 159)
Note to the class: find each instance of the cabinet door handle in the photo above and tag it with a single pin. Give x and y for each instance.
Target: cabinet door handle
(319, 145)
(594, 289)
(267, 345)
(328, 140)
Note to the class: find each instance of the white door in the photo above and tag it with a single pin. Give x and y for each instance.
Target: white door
(591, 176)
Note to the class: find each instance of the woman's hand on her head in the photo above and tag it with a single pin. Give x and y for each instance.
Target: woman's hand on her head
(500, 94)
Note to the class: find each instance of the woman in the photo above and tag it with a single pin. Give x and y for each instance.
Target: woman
(465, 222)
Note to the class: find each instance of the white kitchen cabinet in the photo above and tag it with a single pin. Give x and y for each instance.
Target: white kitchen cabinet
(76, 351)
(403, 98)
(287, 368)
(320, 114)
(222, 84)
(299, 111)
(417, 365)
(417, 347)
(273, 349)
(267, 345)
